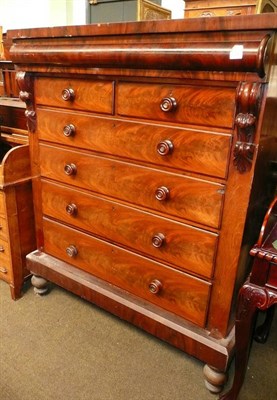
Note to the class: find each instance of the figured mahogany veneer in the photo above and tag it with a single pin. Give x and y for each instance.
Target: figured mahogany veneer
(75, 94)
(189, 104)
(139, 141)
(150, 150)
(182, 196)
(164, 239)
(180, 293)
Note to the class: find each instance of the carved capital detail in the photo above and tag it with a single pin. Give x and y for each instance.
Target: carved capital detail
(248, 103)
(25, 84)
(253, 297)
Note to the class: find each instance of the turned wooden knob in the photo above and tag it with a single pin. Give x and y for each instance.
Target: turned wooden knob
(162, 193)
(68, 94)
(71, 251)
(165, 147)
(158, 240)
(168, 104)
(2, 249)
(69, 130)
(71, 209)
(70, 169)
(3, 270)
(155, 286)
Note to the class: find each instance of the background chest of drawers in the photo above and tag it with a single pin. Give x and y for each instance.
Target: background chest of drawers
(217, 8)
(150, 159)
(17, 235)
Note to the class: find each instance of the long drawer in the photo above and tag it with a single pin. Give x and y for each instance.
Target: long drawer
(200, 151)
(180, 245)
(207, 106)
(182, 196)
(170, 289)
(77, 94)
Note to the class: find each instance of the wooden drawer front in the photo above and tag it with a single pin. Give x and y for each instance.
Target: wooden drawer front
(181, 245)
(189, 198)
(179, 292)
(208, 106)
(2, 204)
(88, 95)
(5, 261)
(220, 11)
(3, 228)
(193, 150)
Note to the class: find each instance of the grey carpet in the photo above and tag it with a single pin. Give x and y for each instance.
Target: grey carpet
(61, 347)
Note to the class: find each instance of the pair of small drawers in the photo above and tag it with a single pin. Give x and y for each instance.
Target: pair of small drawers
(5, 256)
(123, 182)
(211, 106)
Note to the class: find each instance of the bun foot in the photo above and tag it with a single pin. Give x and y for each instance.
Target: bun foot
(214, 379)
(40, 285)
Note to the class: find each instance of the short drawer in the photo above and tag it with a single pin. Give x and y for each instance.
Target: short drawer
(3, 228)
(206, 106)
(96, 96)
(170, 289)
(195, 150)
(5, 261)
(2, 204)
(172, 194)
(180, 245)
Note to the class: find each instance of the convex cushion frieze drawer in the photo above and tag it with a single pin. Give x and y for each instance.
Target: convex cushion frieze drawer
(151, 146)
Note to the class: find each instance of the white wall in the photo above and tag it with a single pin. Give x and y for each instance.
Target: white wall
(176, 6)
(16, 14)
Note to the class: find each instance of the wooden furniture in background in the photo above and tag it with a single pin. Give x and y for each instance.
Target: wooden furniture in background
(150, 154)
(212, 8)
(258, 293)
(149, 10)
(17, 234)
(130, 10)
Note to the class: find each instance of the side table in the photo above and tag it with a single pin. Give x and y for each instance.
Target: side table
(258, 293)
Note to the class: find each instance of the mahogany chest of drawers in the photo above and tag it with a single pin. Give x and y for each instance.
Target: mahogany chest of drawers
(150, 151)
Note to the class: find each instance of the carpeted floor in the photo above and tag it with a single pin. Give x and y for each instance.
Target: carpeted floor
(59, 347)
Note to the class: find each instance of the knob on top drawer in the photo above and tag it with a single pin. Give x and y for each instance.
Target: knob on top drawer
(68, 94)
(77, 94)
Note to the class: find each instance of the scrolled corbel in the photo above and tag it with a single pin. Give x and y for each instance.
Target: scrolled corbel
(25, 84)
(248, 104)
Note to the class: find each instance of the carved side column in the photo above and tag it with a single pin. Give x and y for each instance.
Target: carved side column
(25, 84)
(248, 104)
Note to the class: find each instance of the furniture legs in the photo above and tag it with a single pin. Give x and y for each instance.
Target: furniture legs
(214, 379)
(40, 284)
